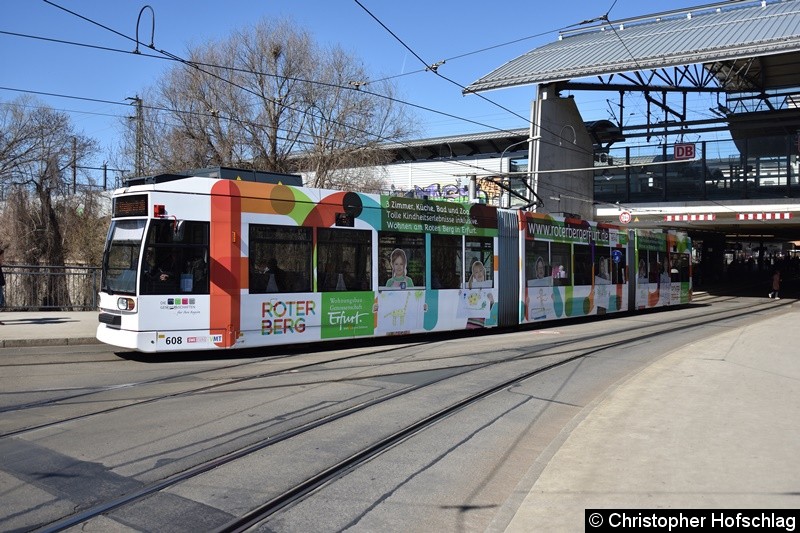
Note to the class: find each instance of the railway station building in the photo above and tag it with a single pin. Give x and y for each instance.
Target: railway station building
(727, 173)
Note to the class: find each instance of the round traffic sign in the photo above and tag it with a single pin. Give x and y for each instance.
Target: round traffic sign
(625, 217)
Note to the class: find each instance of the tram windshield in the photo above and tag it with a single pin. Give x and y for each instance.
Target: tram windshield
(175, 257)
(121, 258)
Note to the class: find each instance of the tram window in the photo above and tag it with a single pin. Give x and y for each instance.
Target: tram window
(176, 258)
(344, 260)
(583, 264)
(121, 259)
(446, 261)
(618, 265)
(402, 260)
(279, 259)
(653, 266)
(561, 259)
(479, 264)
(665, 268)
(680, 267)
(602, 265)
(642, 268)
(537, 263)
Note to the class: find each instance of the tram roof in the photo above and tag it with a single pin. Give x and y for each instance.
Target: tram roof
(225, 173)
(723, 34)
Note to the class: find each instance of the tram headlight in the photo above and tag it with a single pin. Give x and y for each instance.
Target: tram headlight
(125, 304)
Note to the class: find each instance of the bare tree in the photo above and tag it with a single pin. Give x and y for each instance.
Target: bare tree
(344, 128)
(87, 214)
(270, 99)
(40, 152)
(276, 60)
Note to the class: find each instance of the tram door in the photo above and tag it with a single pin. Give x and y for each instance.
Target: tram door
(508, 250)
(633, 270)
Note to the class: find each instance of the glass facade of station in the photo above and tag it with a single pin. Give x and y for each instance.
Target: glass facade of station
(751, 168)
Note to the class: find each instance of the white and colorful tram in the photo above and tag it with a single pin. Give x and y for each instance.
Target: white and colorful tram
(198, 263)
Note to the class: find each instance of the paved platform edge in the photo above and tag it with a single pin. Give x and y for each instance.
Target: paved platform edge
(24, 343)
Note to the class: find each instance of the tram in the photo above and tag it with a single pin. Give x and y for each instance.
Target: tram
(203, 263)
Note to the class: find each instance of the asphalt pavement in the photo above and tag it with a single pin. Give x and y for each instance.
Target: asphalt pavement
(712, 425)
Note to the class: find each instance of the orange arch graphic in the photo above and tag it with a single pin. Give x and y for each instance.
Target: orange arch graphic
(226, 262)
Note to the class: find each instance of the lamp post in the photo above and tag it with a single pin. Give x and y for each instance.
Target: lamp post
(139, 118)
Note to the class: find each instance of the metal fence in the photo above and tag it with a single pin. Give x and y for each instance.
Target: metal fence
(55, 288)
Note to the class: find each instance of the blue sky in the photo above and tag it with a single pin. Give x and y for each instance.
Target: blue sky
(434, 30)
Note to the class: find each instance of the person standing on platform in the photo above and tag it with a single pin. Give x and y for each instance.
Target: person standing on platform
(776, 284)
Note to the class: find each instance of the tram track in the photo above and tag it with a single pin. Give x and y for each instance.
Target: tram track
(88, 394)
(226, 383)
(558, 350)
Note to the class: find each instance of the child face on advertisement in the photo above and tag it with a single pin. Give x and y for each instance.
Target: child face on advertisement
(478, 271)
(399, 265)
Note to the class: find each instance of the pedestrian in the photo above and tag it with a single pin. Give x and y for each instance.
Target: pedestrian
(776, 284)
(2, 282)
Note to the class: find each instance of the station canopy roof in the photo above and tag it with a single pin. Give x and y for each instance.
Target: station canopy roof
(494, 142)
(725, 37)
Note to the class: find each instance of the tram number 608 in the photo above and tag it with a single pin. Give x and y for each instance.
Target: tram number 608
(173, 340)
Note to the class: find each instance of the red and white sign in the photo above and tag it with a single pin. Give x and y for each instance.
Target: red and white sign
(764, 216)
(684, 151)
(690, 218)
(625, 217)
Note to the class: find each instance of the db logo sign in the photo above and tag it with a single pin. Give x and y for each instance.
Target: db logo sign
(684, 151)
(625, 217)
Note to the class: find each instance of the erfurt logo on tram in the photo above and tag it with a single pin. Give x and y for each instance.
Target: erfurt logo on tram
(348, 315)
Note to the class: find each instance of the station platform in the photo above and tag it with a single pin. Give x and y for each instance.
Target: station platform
(712, 425)
(47, 328)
